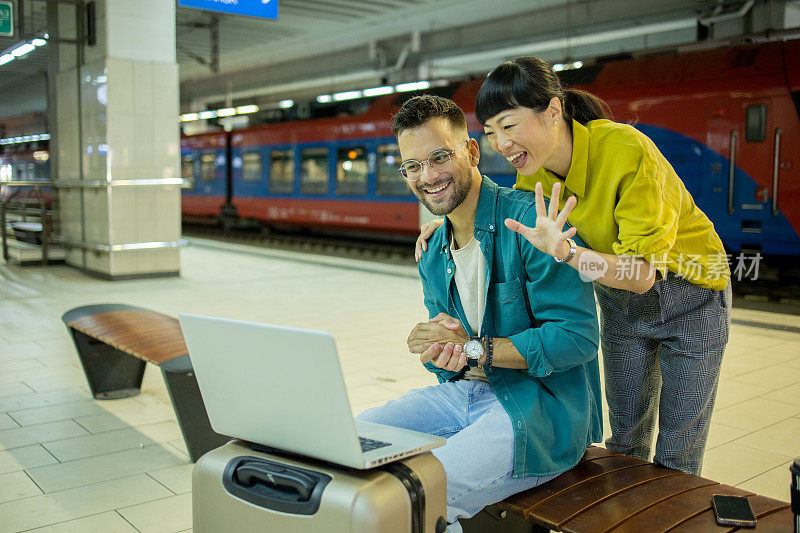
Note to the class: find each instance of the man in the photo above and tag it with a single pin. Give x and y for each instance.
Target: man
(513, 335)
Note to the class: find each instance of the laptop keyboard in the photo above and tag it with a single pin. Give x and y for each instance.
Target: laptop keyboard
(371, 444)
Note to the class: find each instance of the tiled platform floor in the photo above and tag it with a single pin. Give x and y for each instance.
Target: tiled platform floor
(69, 463)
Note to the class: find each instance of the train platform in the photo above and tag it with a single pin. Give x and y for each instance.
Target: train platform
(71, 463)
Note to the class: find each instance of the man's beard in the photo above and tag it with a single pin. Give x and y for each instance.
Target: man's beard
(458, 195)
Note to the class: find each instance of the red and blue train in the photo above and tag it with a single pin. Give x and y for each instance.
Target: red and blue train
(728, 120)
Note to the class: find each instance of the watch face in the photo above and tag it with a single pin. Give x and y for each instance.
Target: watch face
(473, 349)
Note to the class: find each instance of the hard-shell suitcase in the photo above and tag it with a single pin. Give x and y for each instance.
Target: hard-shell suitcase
(245, 487)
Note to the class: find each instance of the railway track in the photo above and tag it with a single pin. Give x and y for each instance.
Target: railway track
(776, 289)
(397, 253)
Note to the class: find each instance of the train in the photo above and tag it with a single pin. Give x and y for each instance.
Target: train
(727, 119)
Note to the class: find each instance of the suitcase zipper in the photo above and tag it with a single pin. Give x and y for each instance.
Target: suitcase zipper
(416, 493)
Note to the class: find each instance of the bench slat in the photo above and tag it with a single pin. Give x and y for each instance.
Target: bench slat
(676, 510)
(706, 521)
(148, 335)
(583, 496)
(779, 521)
(525, 502)
(613, 511)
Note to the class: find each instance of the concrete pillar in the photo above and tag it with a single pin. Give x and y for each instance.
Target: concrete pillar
(115, 138)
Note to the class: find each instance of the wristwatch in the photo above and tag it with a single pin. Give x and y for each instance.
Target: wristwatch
(473, 349)
(572, 249)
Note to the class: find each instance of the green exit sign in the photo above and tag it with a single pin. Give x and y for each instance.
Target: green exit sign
(6, 19)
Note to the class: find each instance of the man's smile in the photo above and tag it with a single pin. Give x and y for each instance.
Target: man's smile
(437, 190)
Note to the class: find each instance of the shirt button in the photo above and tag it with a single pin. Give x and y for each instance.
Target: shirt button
(449, 270)
(491, 226)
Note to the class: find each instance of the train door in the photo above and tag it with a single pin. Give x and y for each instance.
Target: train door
(757, 188)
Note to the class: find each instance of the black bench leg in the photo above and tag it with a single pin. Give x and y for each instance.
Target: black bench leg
(110, 373)
(190, 409)
(494, 519)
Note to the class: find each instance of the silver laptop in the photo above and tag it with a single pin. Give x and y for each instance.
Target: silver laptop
(283, 387)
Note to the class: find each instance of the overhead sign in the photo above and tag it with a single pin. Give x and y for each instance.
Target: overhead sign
(267, 9)
(6, 18)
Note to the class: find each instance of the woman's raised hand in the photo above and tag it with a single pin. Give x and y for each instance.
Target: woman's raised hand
(425, 233)
(547, 236)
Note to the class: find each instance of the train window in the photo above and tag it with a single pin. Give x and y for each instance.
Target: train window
(208, 167)
(491, 162)
(187, 169)
(756, 124)
(251, 166)
(281, 172)
(351, 171)
(314, 171)
(389, 181)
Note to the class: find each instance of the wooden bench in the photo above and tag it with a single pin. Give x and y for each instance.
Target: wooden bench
(606, 491)
(115, 342)
(609, 491)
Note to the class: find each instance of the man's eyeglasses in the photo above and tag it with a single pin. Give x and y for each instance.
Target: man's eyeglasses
(438, 161)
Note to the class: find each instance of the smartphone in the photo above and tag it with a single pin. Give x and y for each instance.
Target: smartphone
(733, 510)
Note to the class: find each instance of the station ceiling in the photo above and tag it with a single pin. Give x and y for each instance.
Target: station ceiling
(323, 46)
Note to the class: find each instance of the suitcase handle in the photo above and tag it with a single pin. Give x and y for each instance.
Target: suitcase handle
(248, 474)
(273, 485)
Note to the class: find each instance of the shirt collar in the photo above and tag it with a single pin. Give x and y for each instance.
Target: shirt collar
(484, 212)
(576, 177)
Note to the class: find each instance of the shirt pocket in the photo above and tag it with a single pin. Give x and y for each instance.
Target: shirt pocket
(507, 305)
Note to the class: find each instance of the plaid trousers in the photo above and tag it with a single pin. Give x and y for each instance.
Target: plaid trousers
(662, 352)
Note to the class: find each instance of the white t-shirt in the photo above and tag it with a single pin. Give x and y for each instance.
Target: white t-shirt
(470, 278)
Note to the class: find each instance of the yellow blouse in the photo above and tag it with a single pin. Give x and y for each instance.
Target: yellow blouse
(631, 202)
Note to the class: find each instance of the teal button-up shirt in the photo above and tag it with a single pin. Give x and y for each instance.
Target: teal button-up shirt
(549, 315)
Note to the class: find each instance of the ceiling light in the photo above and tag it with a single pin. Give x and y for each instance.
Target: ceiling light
(22, 50)
(378, 91)
(285, 104)
(414, 86)
(558, 67)
(206, 114)
(244, 109)
(324, 98)
(347, 95)
(38, 42)
(187, 117)
(226, 112)
(26, 138)
(5, 58)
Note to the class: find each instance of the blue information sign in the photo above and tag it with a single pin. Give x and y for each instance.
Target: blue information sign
(267, 9)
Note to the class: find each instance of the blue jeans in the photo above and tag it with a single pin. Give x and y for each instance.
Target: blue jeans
(479, 455)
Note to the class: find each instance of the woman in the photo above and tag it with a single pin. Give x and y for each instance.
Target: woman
(660, 271)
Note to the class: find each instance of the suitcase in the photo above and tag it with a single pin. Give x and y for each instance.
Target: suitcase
(246, 487)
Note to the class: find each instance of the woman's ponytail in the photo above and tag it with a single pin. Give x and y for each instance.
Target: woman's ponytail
(583, 106)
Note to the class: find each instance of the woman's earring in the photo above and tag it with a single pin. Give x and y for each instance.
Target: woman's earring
(555, 122)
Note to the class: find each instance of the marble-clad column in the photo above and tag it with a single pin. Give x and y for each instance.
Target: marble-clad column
(115, 139)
